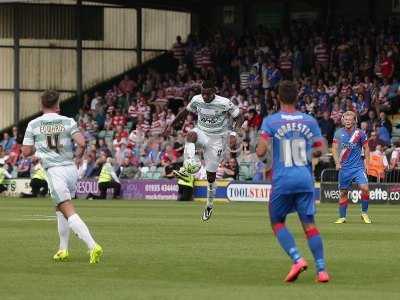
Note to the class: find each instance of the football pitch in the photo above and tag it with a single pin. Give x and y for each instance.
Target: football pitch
(162, 250)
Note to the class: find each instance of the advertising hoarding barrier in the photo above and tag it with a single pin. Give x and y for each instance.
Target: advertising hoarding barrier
(380, 192)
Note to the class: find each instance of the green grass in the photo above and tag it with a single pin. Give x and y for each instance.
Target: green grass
(161, 250)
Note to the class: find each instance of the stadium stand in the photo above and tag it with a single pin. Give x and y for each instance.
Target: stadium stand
(349, 66)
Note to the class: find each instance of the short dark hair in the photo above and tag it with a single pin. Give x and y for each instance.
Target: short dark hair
(49, 98)
(287, 92)
(208, 84)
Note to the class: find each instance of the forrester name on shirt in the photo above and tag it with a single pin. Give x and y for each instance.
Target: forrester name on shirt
(294, 127)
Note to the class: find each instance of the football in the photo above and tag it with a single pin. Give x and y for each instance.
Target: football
(192, 165)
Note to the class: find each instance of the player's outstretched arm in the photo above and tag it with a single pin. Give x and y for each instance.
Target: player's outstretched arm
(180, 117)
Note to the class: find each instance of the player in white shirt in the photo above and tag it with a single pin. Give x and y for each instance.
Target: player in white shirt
(211, 132)
(50, 137)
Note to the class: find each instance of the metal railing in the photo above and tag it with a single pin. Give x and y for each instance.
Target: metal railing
(331, 175)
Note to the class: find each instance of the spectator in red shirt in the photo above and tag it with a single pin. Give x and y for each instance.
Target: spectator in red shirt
(387, 66)
(254, 119)
(121, 135)
(118, 119)
(169, 157)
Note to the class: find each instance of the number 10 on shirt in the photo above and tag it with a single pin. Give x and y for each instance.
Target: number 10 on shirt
(294, 152)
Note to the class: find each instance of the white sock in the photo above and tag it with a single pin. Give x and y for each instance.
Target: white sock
(81, 230)
(189, 151)
(63, 230)
(211, 189)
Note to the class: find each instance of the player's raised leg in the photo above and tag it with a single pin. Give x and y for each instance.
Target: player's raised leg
(188, 153)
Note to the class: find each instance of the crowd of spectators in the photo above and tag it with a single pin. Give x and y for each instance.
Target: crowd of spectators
(347, 66)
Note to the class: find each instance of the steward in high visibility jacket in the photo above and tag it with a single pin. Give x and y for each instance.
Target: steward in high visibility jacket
(107, 179)
(38, 182)
(185, 188)
(377, 164)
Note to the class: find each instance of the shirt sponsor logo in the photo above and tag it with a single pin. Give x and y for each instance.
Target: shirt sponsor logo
(291, 118)
(349, 145)
(207, 111)
(207, 119)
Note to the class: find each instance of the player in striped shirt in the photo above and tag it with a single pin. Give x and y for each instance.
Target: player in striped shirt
(50, 137)
(348, 145)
